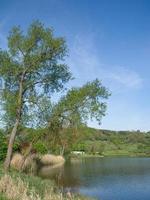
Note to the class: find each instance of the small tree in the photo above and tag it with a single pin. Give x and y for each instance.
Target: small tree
(30, 67)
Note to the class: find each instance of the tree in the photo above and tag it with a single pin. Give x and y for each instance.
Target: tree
(75, 108)
(31, 66)
(40, 112)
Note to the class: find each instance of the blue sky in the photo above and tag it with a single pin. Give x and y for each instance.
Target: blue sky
(107, 39)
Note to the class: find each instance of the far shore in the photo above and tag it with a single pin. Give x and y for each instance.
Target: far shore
(108, 155)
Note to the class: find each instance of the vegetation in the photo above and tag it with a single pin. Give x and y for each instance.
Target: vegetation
(14, 185)
(73, 110)
(113, 143)
(32, 61)
(32, 70)
(3, 145)
(91, 141)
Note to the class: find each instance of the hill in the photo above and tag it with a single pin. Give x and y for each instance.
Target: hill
(113, 143)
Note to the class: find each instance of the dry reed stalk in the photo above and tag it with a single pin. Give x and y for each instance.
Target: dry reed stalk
(18, 163)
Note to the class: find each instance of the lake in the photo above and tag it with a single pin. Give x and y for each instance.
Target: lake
(105, 178)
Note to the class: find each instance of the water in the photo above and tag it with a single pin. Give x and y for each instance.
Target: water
(105, 178)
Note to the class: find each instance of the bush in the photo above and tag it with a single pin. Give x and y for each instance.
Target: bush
(101, 148)
(3, 146)
(40, 148)
(79, 147)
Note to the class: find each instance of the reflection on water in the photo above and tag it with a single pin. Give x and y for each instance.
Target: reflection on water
(105, 178)
(63, 175)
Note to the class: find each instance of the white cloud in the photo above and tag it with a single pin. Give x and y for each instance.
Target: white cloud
(126, 77)
(86, 65)
(82, 60)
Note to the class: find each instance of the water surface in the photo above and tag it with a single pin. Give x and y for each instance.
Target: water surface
(105, 178)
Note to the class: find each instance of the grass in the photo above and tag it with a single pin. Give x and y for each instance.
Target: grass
(19, 186)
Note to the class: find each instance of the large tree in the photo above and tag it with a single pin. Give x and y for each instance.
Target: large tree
(74, 110)
(32, 65)
(59, 125)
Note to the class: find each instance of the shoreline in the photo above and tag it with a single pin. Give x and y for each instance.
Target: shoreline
(110, 156)
(28, 186)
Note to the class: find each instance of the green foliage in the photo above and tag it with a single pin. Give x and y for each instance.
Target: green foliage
(74, 109)
(79, 146)
(32, 69)
(80, 104)
(40, 147)
(40, 113)
(112, 143)
(3, 146)
(33, 60)
(100, 148)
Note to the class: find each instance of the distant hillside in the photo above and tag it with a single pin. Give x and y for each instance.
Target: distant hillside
(113, 143)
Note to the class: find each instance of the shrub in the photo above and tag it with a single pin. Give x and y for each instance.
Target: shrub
(40, 148)
(3, 146)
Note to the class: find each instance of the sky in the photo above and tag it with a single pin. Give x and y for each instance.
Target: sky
(107, 39)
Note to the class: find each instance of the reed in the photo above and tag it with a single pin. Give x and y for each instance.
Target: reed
(16, 188)
(28, 165)
(49, 159)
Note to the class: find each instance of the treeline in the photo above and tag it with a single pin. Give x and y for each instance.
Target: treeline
(109, 143)
(89, 140)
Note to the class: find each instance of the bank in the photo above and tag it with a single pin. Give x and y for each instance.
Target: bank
(20, 186)
(110, 154)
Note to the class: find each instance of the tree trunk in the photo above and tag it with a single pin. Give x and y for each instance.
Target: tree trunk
(10, 145)
(14, 130)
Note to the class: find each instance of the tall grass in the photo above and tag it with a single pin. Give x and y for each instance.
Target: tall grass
(19, 190)
(30, 164)
(19, 186)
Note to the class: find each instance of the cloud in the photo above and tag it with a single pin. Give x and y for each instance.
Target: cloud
(126, 77)
(82, 60)
(86, 65)
(123, 82)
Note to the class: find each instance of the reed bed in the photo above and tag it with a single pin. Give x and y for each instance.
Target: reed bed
(30, 164)
(49, 159)
(19, 163)
(17, 189)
